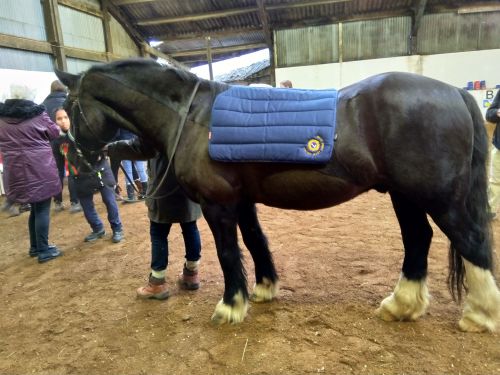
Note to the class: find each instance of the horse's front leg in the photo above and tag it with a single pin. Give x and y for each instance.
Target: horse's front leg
(223, 220)
(266, 279)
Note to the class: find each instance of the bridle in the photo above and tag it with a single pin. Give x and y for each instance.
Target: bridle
(182, 121)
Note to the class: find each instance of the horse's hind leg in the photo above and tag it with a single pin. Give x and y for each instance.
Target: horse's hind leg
(223, 220)
(410, 297)
(266, 279)
(470, 251)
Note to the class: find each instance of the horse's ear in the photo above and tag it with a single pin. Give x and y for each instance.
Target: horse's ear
(70, 80)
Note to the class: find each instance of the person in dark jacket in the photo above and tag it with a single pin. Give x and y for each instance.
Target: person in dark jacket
(30, 169)
(493, 115)
(169, 205)
(82, 171)
(55, 100)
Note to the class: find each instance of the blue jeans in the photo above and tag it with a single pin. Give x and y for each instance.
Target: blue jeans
(140, 166)
(159, 243)
(108, 197)
(38, 225)
(73, 196)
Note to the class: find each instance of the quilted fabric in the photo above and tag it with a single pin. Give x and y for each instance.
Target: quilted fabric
(256, 124)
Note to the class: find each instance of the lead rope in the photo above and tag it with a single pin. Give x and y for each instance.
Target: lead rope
(183, 119)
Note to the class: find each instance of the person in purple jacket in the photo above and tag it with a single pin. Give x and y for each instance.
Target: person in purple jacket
(31, 174)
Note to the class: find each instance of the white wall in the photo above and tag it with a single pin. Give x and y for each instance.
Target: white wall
(39, 82)
(454, 68)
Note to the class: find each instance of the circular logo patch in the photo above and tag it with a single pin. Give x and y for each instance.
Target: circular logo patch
(315, 145)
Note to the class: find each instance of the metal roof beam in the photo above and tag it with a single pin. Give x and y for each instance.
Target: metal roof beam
(232, 12)
(202, 34)
(130, 2)
(218, 51)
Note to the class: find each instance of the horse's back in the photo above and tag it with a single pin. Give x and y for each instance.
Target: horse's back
(401, 130)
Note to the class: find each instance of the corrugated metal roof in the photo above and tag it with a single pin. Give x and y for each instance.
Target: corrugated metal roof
(241, 74)
(186, 23)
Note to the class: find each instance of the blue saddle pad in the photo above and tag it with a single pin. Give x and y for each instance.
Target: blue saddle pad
(255, 124)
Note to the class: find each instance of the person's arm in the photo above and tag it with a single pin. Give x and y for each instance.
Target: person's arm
(493, 112)
(52, 129)
(131, 149)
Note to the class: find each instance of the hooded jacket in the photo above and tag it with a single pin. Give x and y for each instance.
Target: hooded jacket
(53, 101)
(30, 172)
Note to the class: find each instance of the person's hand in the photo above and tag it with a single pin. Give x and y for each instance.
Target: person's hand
(105, 150)
(498, 112)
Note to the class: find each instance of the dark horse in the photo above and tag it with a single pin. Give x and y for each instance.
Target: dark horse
(419, 139)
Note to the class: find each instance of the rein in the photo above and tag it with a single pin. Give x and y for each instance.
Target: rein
(184, 114)
(182, 122)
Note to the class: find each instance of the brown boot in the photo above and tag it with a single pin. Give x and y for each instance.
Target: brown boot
(156, 289)
(189, 279)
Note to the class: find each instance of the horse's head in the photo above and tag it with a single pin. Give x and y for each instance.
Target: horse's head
(142, 96)
(90, 126)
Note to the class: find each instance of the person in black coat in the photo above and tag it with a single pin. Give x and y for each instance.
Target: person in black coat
(493, 115)
(168, 205)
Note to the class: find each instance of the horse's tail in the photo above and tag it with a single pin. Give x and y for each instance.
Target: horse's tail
(476, 201)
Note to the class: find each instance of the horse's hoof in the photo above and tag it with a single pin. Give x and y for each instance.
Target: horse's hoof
(468, 325)
(385, 315)
(265, 291)
(231, 314)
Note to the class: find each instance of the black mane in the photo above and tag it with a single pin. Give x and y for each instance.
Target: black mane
(142, 64)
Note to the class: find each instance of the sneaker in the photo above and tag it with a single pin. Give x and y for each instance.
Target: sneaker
(95, 235)
(189, 279)
(49, 254)
(75, 207)
(117, 236)
(14, 210)
(6, 205)
(58, 206)
(155, 289)
(24, 207)
(33, 252)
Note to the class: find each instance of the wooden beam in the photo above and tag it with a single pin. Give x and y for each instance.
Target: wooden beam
(130, 2)
(17, 42)
(122, 20)
(73, 4)
(196, 17)
(302, 4)
(108, 40)
(232, 12)
(264, 19)
(54, 32)
(202, 34)
(479, 8)
(85, 54)
(220, 50)
(416, 20)
(209, 59)
(153, 51)
(25, 44)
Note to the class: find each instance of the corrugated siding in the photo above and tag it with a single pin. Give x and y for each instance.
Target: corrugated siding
(307, 46)
(81, 30)
(451, 32)
(76, 66)
(375, 38)
(25, 60)
(22, 18)
(123, 45)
